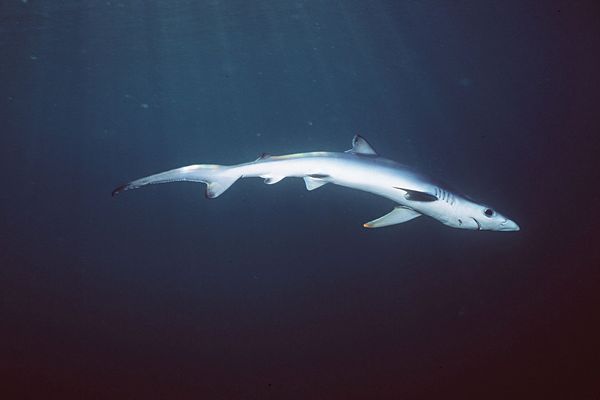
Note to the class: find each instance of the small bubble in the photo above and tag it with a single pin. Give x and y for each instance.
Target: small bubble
(465, 82)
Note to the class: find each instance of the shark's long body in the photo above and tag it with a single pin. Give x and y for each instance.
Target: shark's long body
(358, 168)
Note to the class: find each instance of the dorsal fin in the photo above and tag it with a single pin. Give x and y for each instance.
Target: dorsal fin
(361, 146)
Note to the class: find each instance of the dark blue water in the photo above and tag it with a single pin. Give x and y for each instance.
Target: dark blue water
(273, 291)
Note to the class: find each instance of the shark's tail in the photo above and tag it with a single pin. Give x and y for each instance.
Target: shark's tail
(218, 178)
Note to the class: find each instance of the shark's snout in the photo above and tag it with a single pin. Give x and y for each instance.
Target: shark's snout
(509, 225)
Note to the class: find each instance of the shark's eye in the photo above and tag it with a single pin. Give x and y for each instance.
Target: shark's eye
(488, 212)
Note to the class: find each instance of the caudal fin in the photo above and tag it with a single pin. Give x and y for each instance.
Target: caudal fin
(216, 177)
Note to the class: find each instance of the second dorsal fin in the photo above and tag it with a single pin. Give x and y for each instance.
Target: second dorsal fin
(361, 146)
(263, 156)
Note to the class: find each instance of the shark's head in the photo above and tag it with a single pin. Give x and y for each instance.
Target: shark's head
(467, 214)
(455, 211)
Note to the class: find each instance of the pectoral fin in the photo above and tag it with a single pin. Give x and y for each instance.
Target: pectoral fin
(397, 216)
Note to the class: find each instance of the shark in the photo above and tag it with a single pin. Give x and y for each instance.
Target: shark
(361, 168)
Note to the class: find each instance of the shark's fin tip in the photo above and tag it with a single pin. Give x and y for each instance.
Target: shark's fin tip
(119, 189)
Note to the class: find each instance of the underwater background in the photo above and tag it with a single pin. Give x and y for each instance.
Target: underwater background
(274, 291)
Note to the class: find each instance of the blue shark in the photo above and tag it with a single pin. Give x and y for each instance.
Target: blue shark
(359, 168)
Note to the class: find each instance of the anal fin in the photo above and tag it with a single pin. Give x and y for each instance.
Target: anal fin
(397, 216)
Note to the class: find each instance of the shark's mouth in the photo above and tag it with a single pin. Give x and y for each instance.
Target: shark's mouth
(478, 224)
